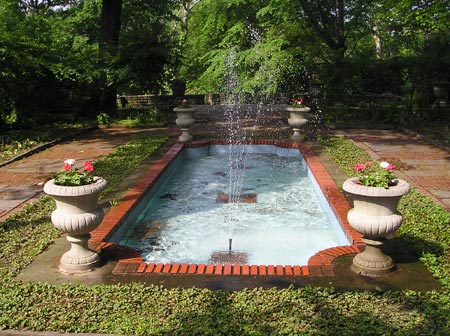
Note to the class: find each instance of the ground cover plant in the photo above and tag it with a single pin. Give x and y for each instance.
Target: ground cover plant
(27, 233)
(137, 309)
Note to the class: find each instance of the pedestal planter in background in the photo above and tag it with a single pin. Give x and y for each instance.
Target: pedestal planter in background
(184, 121)
(77, 214)
(375, 216)
(297, 120)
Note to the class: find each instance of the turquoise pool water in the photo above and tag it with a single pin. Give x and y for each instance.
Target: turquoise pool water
(287, 221)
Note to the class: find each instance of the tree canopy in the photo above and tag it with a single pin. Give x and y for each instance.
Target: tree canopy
(53, 60)
(68, 53)
(277, 47)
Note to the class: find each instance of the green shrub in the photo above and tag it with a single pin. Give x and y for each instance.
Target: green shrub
(103, 119)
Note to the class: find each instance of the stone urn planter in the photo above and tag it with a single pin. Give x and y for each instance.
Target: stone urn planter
(375, 216)
(297, 120)
(77, 214)
(184, 121)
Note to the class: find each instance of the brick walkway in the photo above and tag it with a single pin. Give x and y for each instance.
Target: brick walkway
(23, 179)
(425, 166)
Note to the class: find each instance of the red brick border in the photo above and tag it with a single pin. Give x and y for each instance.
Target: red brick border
(130, 261)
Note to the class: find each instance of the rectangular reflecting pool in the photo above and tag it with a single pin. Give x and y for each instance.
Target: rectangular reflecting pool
(263, 197)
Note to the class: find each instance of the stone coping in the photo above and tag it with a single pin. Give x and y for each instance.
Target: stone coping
(130, 261)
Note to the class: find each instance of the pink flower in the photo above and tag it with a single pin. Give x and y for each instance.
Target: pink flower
(359, 167)
(67, 167)
(88, 166)
(390, 167)
(368, 164)
(298, 102)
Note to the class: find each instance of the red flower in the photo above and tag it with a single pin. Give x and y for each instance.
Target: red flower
(359, 167)
(390, 167)
(88, 166)
(67, 167)
(368, 164)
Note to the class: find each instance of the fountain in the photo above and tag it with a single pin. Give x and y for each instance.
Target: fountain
(232, 202)
(190, 226)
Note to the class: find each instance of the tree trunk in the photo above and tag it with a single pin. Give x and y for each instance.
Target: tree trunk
(108, 48)
(330, 27)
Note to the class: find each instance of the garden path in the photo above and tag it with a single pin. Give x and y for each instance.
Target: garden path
(425, 166)
(23, 179)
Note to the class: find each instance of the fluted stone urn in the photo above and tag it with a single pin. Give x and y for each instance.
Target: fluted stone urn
(184, 121)
(375, 216)
(77, 214)
(297, 120)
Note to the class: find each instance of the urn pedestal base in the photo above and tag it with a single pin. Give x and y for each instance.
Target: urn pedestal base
(372, 261)
(80, 258)
(185, 136)
(297, 121)
(184, 121)
(297, 136)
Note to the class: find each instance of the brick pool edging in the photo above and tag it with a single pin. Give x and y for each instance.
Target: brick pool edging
(130, 261)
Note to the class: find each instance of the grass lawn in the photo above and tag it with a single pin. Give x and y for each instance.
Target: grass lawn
(151, 310)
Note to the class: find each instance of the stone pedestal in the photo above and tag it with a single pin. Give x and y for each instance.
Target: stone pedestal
(184, 121)
(297, 120)
(375, 216)
(77, 214)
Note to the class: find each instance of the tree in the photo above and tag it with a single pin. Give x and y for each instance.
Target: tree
(336, 22)
(243, 48)
(415, 53)
(148, 46)
(108, 48)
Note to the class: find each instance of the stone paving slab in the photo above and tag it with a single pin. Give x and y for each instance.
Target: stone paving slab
(13, 197)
